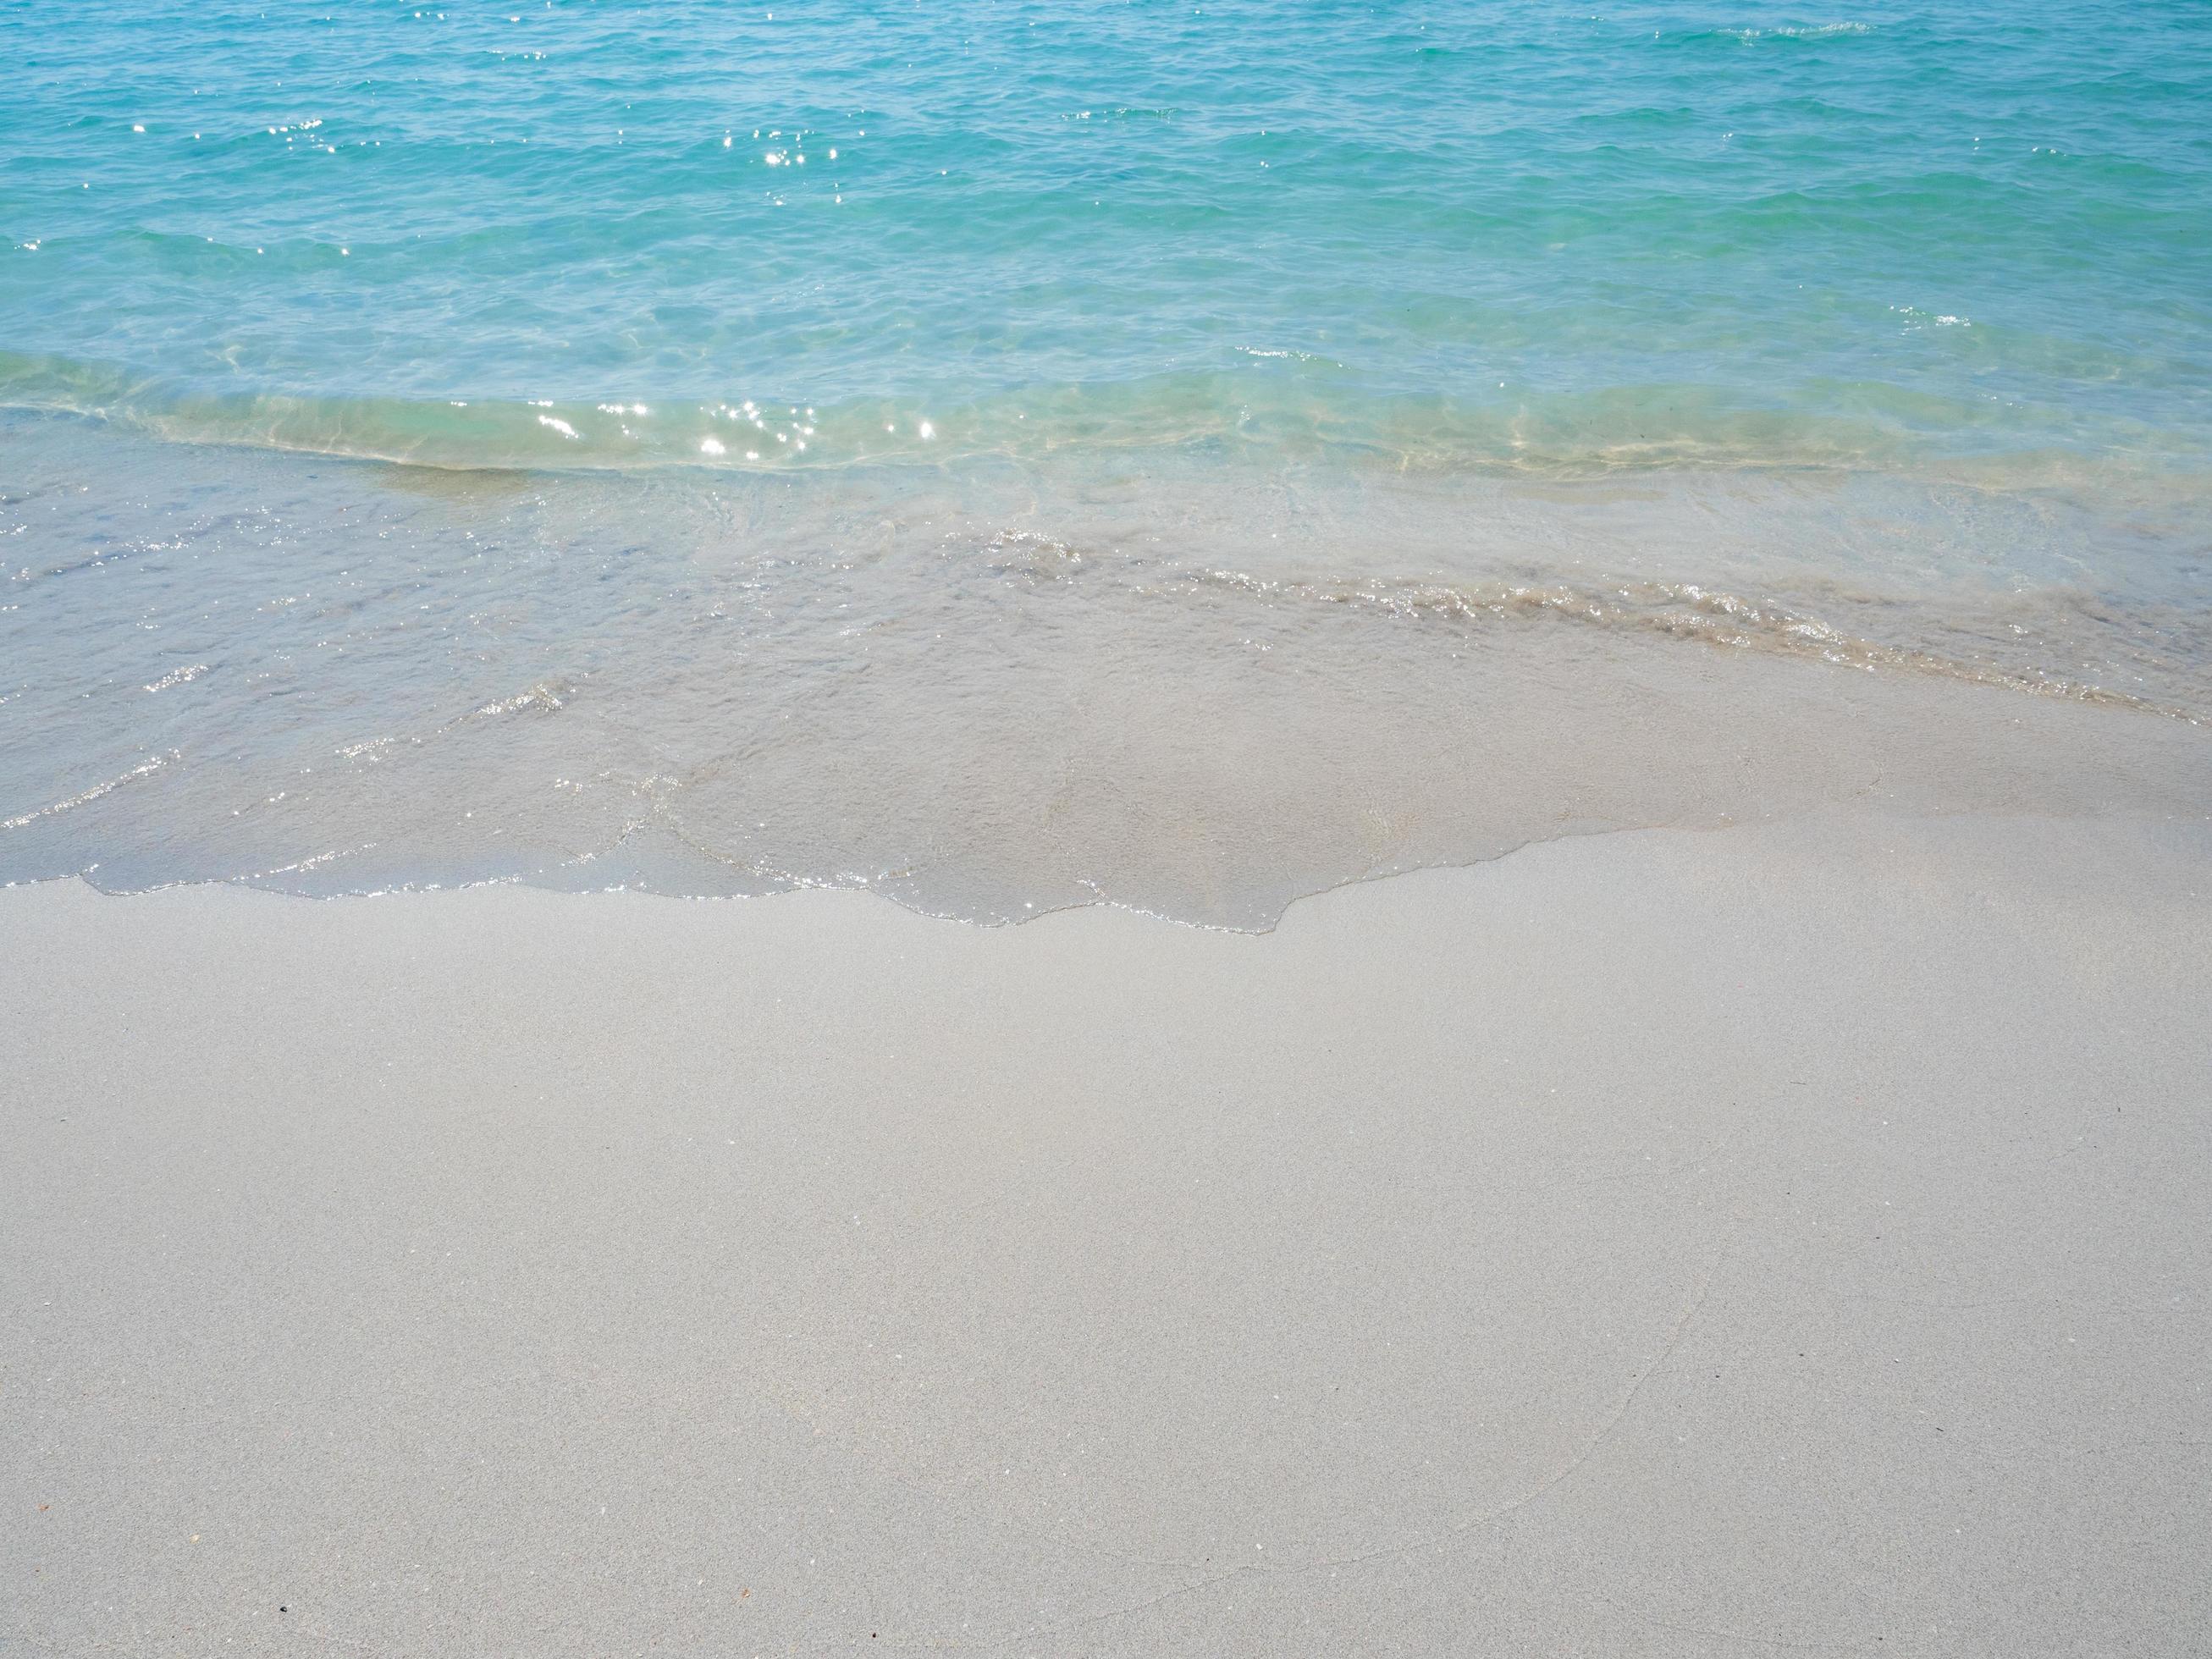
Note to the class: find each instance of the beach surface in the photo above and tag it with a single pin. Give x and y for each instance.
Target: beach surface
(1782, 1238)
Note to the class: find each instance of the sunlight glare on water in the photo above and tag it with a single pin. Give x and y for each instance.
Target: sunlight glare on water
(1011, 455)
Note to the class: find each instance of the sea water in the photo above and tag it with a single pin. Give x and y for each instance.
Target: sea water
(1010, 454)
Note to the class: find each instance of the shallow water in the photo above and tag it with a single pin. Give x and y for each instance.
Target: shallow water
(992, 689)
(1010, 455)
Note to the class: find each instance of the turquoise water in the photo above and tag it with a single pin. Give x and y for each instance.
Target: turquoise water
(570, 233)
(1012, 456)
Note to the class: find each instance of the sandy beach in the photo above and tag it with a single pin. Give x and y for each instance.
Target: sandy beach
(1081, 830)
(1786, 1238)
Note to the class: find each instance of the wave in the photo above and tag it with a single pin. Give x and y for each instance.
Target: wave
(1689, 610)
(1276, 403)
(86, 797)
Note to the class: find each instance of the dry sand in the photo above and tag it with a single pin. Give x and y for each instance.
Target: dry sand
(1787, 1238)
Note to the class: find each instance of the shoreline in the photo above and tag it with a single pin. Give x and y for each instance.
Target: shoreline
(1665, 1241)
(1176, 686)
(1471, 752)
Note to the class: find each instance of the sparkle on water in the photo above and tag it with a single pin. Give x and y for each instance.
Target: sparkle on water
(1007, 454)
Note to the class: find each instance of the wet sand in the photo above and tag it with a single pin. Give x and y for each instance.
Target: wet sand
(1789, 1238)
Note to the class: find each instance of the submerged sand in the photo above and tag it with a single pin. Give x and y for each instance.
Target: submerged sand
(1788, 1237)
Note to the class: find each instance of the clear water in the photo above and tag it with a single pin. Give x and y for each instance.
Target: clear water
(1428, 394)
(1455, 232)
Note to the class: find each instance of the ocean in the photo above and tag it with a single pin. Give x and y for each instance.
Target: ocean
(1010, 456)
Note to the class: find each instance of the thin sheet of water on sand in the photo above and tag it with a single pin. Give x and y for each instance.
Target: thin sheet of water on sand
(991, 692)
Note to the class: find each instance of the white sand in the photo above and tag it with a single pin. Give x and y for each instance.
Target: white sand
(1776, 1239)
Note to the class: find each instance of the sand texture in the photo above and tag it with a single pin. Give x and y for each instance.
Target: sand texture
(1789, 1238)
